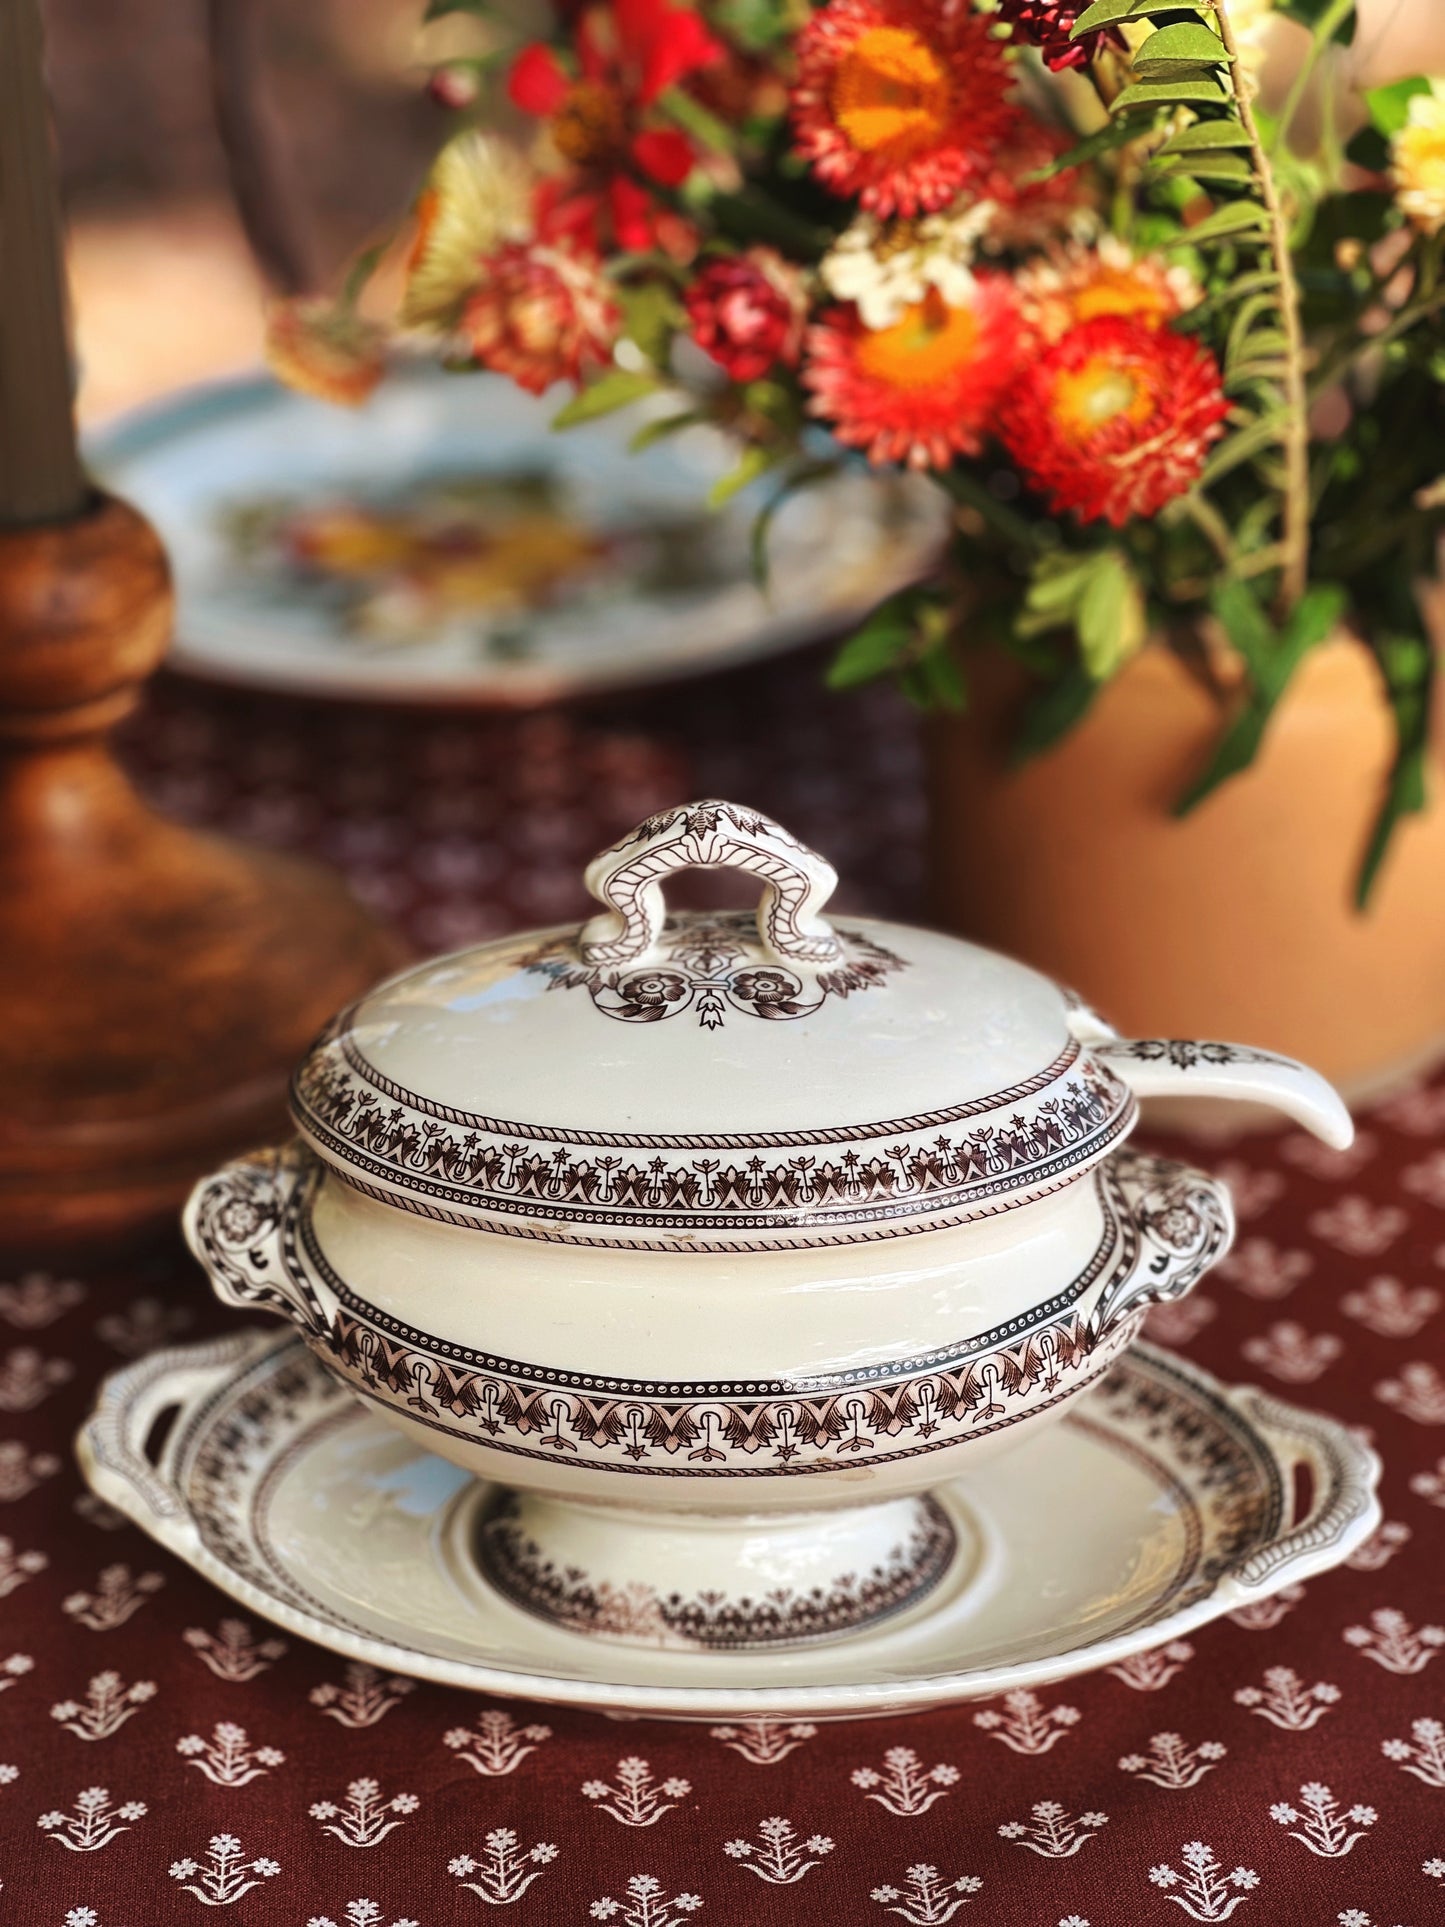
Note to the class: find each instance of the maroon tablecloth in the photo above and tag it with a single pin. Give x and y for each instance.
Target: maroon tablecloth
(160, 1755)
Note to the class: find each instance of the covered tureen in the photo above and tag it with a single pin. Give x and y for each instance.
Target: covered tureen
(716, 1243)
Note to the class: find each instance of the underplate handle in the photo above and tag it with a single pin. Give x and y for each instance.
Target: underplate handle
(1344, 1474)
(712, 835)
(1177, 1220)
(112, 1442)
(242, 1224)
(1183, 1067)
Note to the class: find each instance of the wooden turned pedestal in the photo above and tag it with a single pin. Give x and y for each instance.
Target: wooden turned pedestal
(156, 985)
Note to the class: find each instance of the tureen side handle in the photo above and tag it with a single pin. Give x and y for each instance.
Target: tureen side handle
(112, 1444)
(1343, 1508)
(1179, 1067)
(711, 835)
(243, 1224)
(1175, 1222)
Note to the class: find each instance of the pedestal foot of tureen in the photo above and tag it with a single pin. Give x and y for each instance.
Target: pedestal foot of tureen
(710, 1581)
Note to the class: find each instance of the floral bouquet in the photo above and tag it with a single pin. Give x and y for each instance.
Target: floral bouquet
(1168, 335)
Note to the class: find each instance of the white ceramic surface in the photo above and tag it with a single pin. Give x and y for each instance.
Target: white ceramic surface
(731, 1216)
(1160, 1502)
(211, 460)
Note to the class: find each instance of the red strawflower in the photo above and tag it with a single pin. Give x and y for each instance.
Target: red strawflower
(1115, 419)
(924, 390)
(1047, 25)
(900, 102)
(599, 216)
(628, 53)
(747, 312)
(541, 313)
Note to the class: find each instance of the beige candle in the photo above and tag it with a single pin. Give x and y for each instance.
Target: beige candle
(40, 474)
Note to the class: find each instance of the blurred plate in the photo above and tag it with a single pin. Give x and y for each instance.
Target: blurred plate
(443, 545)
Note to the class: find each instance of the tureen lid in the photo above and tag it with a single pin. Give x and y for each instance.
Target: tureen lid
(729, 1081)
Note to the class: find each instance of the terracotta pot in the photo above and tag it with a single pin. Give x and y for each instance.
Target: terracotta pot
(1236, 922)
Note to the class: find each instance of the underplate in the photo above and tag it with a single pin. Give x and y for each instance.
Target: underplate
(413, 549)
(1159, 1502)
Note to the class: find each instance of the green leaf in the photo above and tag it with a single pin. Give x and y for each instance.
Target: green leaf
(1243, 446)
(1112, 620)
(1206, 134)
(934, 680)
(1389, 107)
(1224, 224)
(1205, 167)
(651, 315)
(1053, 712)
(755, 461)
(799, 478)
(1408, 663)
(1200, 91)
(439, 9)
(1109, 13)
(618, 388)
(1097, 595)
(1115, 133)
(1271, 658)
(664, 426)
(879, 646)
(1189, 43)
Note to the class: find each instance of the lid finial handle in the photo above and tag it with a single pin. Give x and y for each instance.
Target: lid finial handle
(710, 835)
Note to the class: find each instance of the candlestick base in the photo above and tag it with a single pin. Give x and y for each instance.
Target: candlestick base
(157, 984)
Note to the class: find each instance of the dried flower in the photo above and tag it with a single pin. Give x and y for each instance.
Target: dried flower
(884, 268)
(541, 314)
(319, 347)
(1114, 420)
(1419, 161)
(901, 102)
(477, 197)
(1048, 25)
(925, 389)
(747, 311)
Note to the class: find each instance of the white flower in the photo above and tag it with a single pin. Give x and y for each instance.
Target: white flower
(81, 1917)
(1283, 1812)
(1419, 161)
(885, 268)
(266, 1868)
(1164, 1876)
(1435, 1869)
(1244, 1877)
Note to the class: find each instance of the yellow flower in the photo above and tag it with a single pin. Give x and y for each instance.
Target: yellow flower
(1419, 156)
(477, 197)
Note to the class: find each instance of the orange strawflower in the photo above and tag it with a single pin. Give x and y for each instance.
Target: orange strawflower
(901, 102)
(1115, 419)
(1081, 284)
(923, 390)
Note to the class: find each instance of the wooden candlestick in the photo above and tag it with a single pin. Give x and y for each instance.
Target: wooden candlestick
(156, 985)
